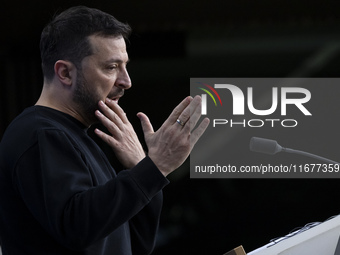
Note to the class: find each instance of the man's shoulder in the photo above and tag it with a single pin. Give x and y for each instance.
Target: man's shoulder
(33, 125)
(39, 118)
(36, 119)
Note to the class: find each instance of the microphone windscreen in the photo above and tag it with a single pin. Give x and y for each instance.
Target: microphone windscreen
(264, 145)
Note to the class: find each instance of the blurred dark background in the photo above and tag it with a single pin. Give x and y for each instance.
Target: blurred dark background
(171, 42)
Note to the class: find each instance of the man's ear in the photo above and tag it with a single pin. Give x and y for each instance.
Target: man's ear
(65, 71)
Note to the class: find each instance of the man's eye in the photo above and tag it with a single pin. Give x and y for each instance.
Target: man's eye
(112, 67)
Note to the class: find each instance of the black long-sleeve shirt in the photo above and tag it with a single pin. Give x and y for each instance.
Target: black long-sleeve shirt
(60, 195)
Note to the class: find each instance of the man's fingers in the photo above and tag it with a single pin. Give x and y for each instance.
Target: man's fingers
(109, 124)
(113, 112)
(146, 124)
(194, 112)
(190, 115)
(198, 132)
(117, 109)
(178, 111)
(105, 137)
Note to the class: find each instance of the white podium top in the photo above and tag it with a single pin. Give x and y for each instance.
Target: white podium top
(321, 239)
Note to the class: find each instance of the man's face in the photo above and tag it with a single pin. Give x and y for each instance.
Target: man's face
(103, 74)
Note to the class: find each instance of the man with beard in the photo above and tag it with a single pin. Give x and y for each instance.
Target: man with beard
(58, 192)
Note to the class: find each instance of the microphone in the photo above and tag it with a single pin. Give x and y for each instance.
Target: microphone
(271, 147)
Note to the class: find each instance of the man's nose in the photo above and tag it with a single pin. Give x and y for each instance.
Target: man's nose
(124, 80)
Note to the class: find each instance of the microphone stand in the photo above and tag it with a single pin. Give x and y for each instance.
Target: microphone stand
(309, 155)
(271, 147)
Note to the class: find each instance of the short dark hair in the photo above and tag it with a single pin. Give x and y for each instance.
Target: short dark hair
(66, 36)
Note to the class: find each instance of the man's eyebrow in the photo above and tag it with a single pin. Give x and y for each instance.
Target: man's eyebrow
(116, 60)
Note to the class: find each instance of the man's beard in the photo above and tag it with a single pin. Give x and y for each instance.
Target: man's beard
(86, 100)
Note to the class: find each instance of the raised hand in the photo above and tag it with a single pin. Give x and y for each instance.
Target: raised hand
(172, 143)
(123, 139)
